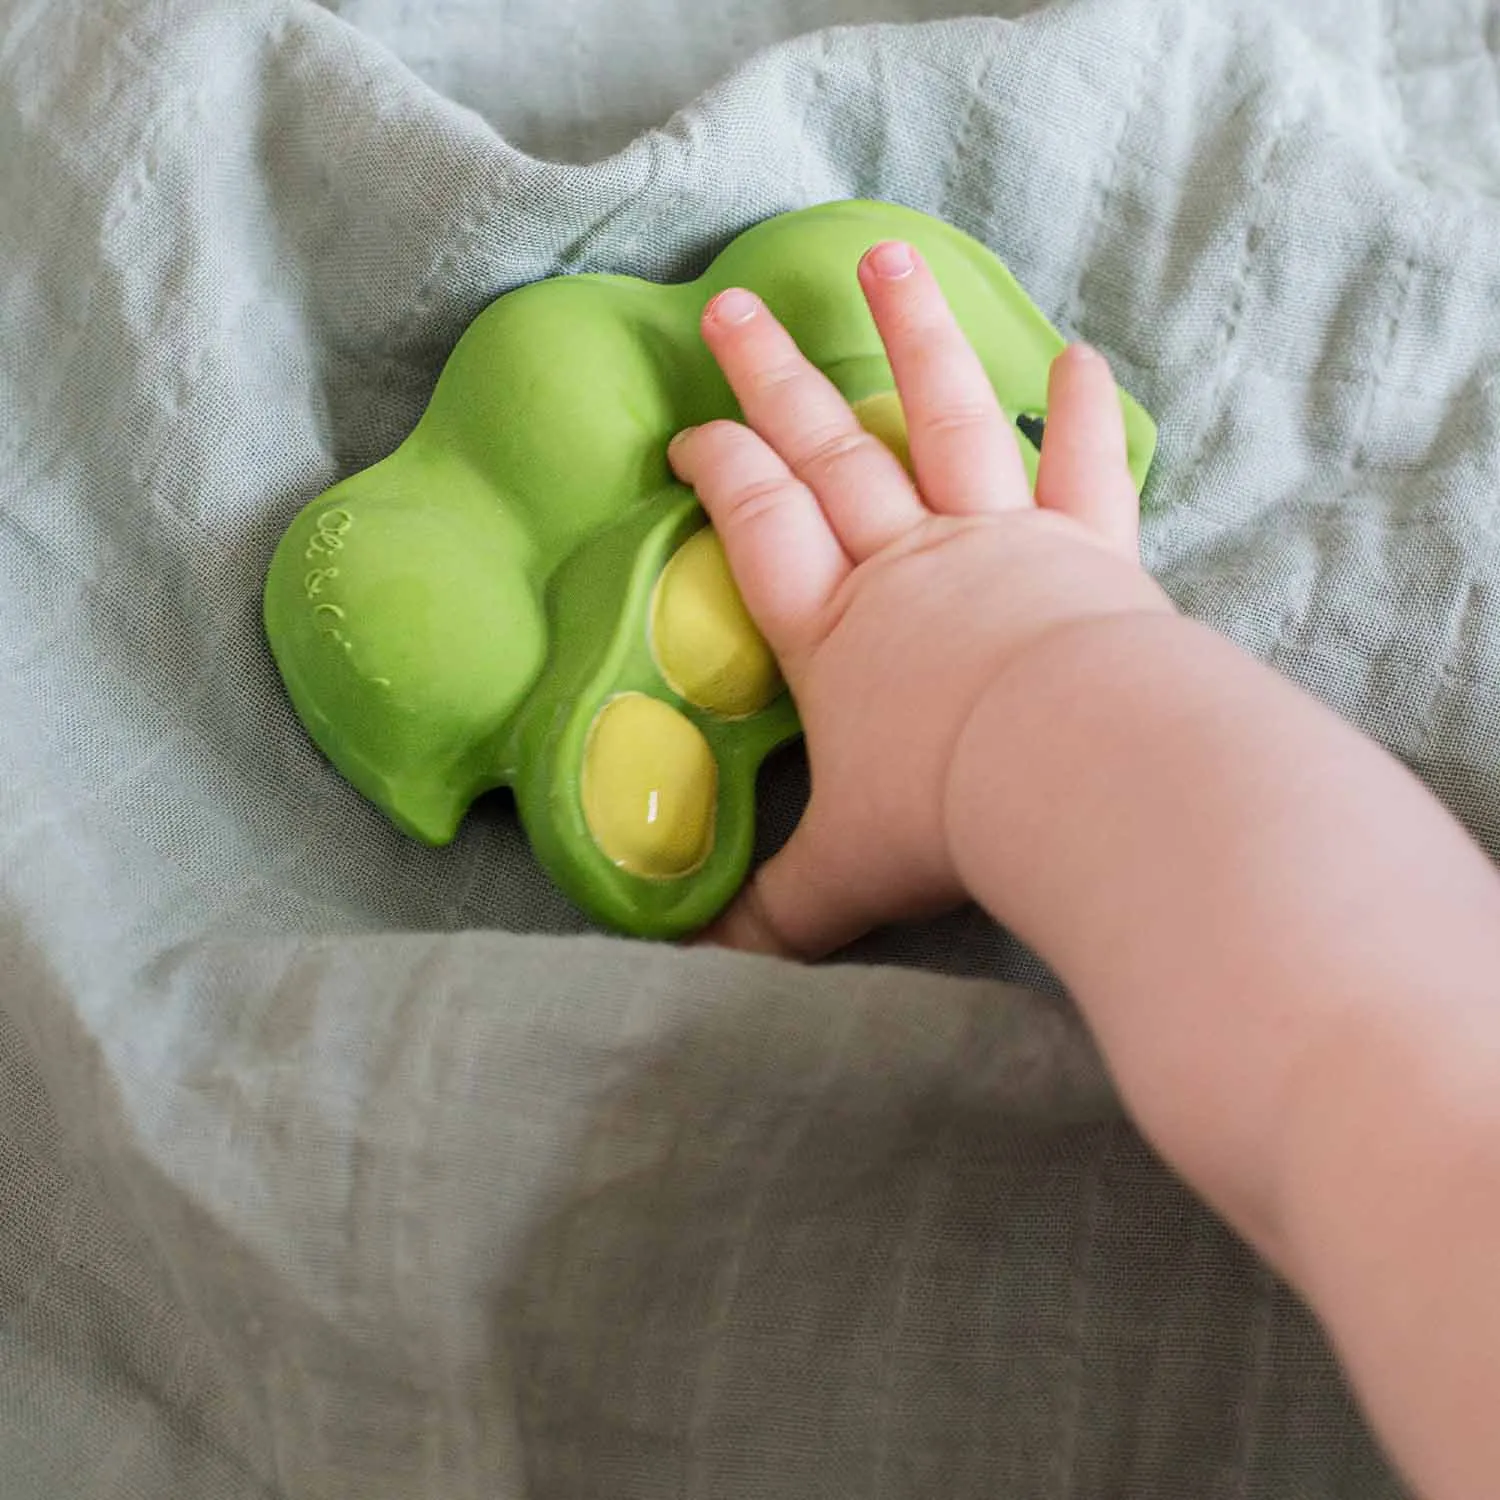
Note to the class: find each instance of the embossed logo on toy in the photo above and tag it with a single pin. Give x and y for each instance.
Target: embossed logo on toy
(327, 540)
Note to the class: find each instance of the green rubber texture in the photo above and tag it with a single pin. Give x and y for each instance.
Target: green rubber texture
(451, 619)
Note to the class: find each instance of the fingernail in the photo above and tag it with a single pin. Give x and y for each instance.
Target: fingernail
(680, 438)
(732, 306)
(892, 260)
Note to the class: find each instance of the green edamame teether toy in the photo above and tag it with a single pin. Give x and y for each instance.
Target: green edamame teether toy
(521, 595)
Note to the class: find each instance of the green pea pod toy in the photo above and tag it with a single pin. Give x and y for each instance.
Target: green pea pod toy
(521, 595)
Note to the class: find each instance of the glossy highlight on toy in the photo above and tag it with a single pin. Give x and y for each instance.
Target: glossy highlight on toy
(521, 595)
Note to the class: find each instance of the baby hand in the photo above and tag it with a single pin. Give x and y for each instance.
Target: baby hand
(892, 605)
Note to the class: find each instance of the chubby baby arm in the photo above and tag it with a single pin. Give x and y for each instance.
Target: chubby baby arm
(1289, 952)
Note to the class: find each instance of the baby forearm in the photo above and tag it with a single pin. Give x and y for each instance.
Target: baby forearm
(1226, 876)
(1291, 957)
(1393, 1228)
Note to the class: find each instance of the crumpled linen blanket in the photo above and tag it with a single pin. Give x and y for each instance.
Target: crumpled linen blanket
(333, 1166)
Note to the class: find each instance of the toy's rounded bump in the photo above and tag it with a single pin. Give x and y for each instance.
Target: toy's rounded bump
(705, 643)
(882, 416)
(649, 788)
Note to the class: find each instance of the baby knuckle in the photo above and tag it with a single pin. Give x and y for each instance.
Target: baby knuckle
(833, 451)
(959, 421)
(754, 500)
(776, 377)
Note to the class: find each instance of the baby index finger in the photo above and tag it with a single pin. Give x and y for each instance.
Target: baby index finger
(864, 491)
(962, 447)
(785, 559)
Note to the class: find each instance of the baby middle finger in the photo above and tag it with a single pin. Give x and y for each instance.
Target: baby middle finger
(962, 447)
